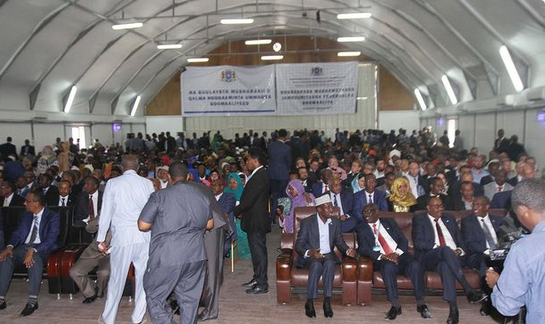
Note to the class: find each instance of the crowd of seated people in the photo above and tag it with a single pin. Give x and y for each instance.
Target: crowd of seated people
(395, 172)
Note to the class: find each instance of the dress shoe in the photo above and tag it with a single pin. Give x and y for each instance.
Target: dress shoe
(328, 312)
(29, 309)
(424, 311)
(249, 284)
(453, 316)
(89, 300)
(309, 309)
(474, 297)
(3, 305)
(392, 313)
(485, 308)
(257, 290)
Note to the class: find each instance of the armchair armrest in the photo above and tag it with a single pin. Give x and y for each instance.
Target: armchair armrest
(365, 269)
(283, 265)
(286, 241)
(349, 269)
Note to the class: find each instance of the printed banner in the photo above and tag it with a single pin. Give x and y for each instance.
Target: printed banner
(228, 90)
(316, 88)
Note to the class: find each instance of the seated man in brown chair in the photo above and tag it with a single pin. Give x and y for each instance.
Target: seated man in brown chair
(383, 242)
(318, 236)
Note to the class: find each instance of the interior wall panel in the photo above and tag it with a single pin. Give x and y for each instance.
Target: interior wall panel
(45, 134)
(18, 133)
(484, 133)
(467, 131)
(102, 132)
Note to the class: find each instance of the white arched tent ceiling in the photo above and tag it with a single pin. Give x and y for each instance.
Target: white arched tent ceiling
(47, 46)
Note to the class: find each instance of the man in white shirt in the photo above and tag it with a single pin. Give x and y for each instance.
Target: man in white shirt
(124, 199)
(320, 259)
(383, 242)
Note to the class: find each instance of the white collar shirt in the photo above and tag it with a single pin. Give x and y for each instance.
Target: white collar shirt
(37, 217)
(323, 228)
(384, 233)
(449, 241)
(486, 221)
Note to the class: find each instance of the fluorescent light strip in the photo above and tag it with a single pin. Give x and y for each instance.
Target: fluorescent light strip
(258, 41)
(354, 15)
(272, 57)
(70, 99)
(237, 21)
(135, 106)
(355, 53)
(511, 69)
(450, 91)
(169, 46)
(197, 60)
(127, 26)
(350, 39)
(420, 99)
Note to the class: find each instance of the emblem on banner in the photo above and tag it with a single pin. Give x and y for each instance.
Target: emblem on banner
(228, 75)
(316, 71)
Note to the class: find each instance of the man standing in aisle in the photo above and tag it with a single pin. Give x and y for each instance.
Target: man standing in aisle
(177, 217)
(280, 157)
(124, 198)
(253, 209)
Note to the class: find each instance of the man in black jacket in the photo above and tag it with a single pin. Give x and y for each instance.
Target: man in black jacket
(382, 241)
(253, 209)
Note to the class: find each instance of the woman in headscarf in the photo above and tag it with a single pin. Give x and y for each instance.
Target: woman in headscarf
(401, 200)
(299, 198)
(47, 159)
(358, 183)
(65, 157)
(235, 186)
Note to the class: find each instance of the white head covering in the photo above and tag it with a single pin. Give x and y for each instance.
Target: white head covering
(322, 200)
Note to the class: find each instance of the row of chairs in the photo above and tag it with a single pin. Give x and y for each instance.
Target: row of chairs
(355, 279)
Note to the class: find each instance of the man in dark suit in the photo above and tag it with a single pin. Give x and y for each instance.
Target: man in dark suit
(8, 196)
(479, 231)
(279, 168)
(87, 214)
(2, 239)
(436, 189)
(27, 149)
(253, 209)
(501, 200)
(318, 236)
(370, 195)
(50, 192)
(382, 241)
(345, 201)
(7, 149)
(30, 244)
(438, 246)
(467, 195)
(66, 198)
(227, 202)
(321, 187)
(501, 144)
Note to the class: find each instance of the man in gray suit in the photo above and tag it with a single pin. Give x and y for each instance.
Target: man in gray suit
(498, 185)
(177, 216)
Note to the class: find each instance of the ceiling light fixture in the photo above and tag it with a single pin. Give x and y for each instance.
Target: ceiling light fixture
(420, 99)
(350, 39)
(354, 15)
(344, 54)
(169, 46)
(450, 90)
(127, 26)
(70, 99)
(135, 106)
(258, 41)
(511, 69)
(272, 57)
(237, 21)
(197, 59)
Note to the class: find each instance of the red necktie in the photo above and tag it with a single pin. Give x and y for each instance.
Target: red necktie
(500, 188)
(440, 233)
(326, 188)
(382, 241)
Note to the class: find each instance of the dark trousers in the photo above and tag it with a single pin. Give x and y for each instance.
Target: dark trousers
(278, 189)
(213, 244)
(447, 264)
(317, 268)
(186, 280)
(258, 249)
(406, 266)
(34, 273)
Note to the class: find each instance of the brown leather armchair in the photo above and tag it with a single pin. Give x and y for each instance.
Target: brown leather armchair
(290, 278)
(369, 279)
